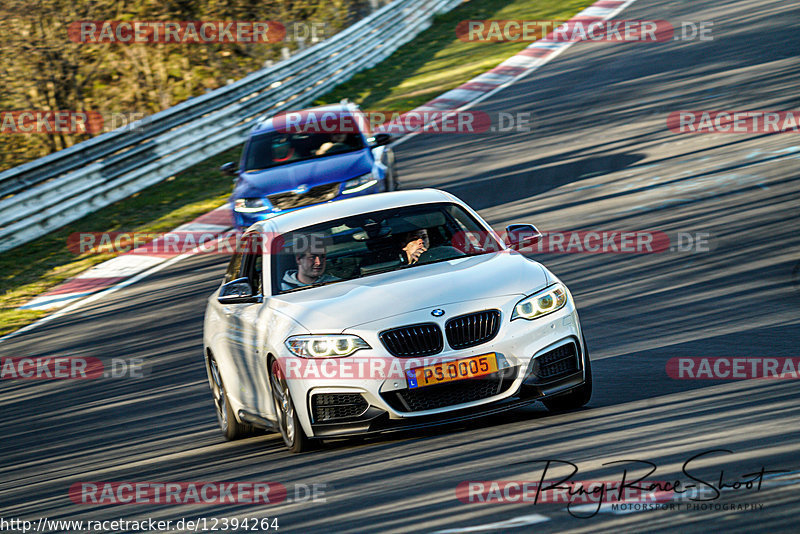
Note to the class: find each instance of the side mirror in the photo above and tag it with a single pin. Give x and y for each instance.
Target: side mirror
(521, 235)
(236, 292)
(381, 139)
(230, 168)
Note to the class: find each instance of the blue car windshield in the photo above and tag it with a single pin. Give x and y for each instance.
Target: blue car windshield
(278, 148)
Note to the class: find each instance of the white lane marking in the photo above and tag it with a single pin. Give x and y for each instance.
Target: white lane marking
(96, 296)
(521, 521)
(558, 48)
(124, 265)
(461, 95)
(523, 61)
(119, 267)
(491, 78)
(48, 301)
(200, 227)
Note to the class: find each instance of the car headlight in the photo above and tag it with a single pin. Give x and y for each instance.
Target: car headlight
(364, 181)
(325, 346)
(546, 301)
(245, 205)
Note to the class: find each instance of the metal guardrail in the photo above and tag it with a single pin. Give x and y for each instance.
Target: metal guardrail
(52, 191)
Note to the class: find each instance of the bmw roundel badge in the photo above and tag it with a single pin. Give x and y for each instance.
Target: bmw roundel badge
(438, 312)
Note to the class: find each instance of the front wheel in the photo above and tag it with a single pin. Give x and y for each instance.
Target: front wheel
(288, 423)
(576, 398)
(231, 428)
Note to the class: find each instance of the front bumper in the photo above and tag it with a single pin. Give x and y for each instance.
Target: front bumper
(536, 360)
(523, 387)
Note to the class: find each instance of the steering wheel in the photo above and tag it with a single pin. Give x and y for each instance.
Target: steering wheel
(439, 253)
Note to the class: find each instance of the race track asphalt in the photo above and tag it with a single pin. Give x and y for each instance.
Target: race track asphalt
(599, 158)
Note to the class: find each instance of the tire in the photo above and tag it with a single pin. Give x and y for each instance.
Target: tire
(576, 398)
(288, 423)
(231, 428)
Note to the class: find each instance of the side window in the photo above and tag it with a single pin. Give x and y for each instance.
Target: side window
(233, 267)
(253, 262)
(256, 274)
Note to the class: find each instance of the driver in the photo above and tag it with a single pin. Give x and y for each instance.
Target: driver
(310, 267)
(414, 245)
(282, 149)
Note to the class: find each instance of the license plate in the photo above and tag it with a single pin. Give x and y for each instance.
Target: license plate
(454, 370)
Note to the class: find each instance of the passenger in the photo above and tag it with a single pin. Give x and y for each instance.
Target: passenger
(336, 144)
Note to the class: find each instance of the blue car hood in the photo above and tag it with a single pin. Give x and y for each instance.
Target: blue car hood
(312, 172)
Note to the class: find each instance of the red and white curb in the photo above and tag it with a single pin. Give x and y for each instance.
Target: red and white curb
(516, 67)
(125, 265)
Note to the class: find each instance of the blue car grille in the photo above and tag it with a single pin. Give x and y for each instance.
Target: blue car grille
(315, 195)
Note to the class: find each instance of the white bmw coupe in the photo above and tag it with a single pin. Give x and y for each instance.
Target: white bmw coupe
(386, 312)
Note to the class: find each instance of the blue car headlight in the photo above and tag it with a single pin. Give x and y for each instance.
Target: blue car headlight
(365, 181)
(249, 205)
(541, 303)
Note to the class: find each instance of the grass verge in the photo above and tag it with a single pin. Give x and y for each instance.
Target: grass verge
(432, 63)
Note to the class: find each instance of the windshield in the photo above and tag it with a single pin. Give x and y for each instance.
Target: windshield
(376, 242)
(278, 148)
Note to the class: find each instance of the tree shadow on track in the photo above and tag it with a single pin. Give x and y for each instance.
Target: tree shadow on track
(534, 178)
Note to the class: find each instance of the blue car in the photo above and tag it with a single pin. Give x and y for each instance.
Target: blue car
(291, 165)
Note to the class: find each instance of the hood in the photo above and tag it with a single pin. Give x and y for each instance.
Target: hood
(311, 172)
(337, 307)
